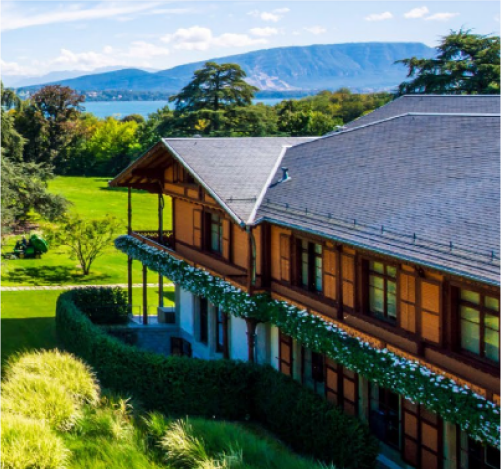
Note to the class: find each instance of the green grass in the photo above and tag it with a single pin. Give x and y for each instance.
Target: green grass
(91, 198)
(28, 317)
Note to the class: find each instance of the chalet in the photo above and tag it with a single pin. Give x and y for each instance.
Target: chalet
(364, 264)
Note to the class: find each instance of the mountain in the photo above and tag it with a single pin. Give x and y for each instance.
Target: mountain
(363, 66)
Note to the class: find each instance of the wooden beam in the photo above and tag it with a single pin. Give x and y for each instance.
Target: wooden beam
(145, 295)
(129, 211)
(149, 173)
(129, 283)
(147, 186)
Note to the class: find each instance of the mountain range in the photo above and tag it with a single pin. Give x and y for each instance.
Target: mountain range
(361, 66)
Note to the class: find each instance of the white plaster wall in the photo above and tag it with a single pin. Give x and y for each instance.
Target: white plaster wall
(186, 311)
(238, 339)
(263, 343)
(274, 353)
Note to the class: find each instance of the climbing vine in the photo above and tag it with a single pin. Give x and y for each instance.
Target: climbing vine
(455, 403)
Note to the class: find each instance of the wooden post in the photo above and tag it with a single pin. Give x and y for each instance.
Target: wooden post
(129, 211)
(160, 290)
(129, 282)
(251, 338)
(160, 219)
(250, 263)
(145, 295)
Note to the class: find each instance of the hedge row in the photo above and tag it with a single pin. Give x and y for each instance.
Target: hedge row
(222, 389)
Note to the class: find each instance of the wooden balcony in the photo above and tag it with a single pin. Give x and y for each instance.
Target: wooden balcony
(197, 258)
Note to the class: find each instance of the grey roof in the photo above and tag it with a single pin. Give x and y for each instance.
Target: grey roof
(432, 176)
(236, 169)
(448, 104)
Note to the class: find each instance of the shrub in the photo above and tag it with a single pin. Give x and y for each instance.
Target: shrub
(103, 305)
(34, 396)
(62, 368)
(224, 389)
(28, 443)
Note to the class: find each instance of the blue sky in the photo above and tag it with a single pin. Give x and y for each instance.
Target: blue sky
(39, 36)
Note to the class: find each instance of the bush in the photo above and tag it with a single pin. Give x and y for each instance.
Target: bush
(28, 443)
(34, 396)
(103, 305)
(64, 369)
(223, 389)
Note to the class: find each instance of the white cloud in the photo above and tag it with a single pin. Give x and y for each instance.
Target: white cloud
(441, 16)
(496, 18)
(22, 17)
(273, 16)
(141, 49)
(417, 12)
(200, 38)
(264, 32)
(379, 16)
(13, 68)
(316, 30)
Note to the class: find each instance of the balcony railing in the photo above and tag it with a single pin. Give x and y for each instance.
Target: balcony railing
(167, 237)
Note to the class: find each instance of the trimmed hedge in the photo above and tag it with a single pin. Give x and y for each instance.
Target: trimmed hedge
(223, 389)
(103, 305)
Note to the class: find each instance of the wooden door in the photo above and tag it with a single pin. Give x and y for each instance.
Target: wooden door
(285, 258)
(422, 437)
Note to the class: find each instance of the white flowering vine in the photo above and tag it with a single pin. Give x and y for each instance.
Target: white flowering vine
(453, 402)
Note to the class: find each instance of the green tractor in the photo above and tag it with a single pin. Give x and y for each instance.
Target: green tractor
(29, 249)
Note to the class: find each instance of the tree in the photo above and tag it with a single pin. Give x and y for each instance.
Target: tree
(24, 188)
(48, 122)
(88, 239)
(215, 87)
(466, 63)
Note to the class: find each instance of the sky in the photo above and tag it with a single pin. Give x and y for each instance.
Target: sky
(38, 37)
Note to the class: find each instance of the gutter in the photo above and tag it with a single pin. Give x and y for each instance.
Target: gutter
(232, 214)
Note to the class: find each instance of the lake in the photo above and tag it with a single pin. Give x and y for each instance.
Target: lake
(121, 109)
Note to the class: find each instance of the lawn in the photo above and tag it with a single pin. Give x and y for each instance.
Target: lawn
(28, 317)
(91, 198)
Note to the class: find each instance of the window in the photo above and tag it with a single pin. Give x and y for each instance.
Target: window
(204, 321)
(383, 291)
(479, 318)
(310, 271)
(215, 233)
(476, 456)
(221, 331)
(313, 370)
(385, 415)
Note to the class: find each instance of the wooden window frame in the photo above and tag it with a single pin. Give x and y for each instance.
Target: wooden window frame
(317, 370)
(287, 340)
(386, 277)
(386, 412)
(482, 309)
(463, 454)
(312, 256)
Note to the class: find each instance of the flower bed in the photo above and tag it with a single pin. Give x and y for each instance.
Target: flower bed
(453, 402)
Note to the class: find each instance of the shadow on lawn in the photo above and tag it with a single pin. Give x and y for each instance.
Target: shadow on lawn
(50, 275)
(25, 334)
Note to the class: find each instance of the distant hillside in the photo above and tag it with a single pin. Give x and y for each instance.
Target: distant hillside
(364, 66)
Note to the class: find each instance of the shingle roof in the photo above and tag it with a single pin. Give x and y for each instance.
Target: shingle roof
(486, 104)
(435, 176)
(236, 169)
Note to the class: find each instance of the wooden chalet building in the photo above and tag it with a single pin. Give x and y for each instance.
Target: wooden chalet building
(388, 229)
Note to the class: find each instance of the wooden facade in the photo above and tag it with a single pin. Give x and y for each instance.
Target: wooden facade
(407, 308)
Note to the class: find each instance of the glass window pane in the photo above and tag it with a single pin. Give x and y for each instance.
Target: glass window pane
(391, 287)
(492, 303)
(492, 457)
(391, 306)
(318, 249)
(377, 282)
(470, 314)
(377, 267)
(491, 344)
(470, 296)
(470, 337)
(376, 300)
(318, 279)
(391, 271)
(491, 322)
